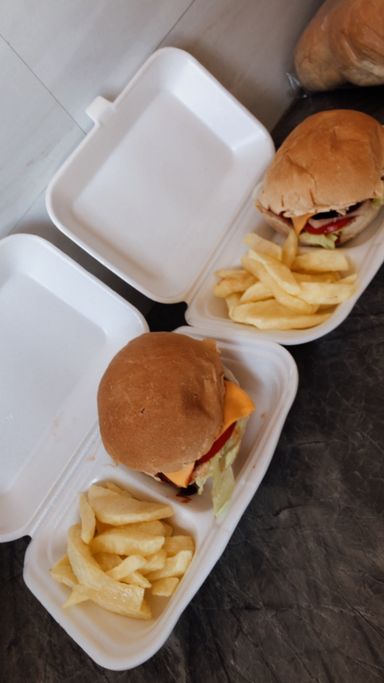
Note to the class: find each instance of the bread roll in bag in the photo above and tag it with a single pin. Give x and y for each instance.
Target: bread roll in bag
(344, 42)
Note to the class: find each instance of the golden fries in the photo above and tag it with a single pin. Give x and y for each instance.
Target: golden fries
(88, 519)
(236, 281)
(115, 508)
(119, 563)
(290, 290)
(62, 572)
(270, 315)
(319, 260)
(263, 246)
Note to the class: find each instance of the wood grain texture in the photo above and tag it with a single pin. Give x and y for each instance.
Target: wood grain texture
(248, 46)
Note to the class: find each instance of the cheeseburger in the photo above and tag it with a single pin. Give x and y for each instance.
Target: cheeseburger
(168, 408)
(326, 181)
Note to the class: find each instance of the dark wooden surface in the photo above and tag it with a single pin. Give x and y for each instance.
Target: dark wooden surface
(298, 595)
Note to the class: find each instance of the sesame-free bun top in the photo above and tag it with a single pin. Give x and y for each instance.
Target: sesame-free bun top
(332, 160)
(161, 401)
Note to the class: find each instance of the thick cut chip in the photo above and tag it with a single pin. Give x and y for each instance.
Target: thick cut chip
(114, 487)
(232, 301)
(154, 562)
(277, 270)
(125, 541)
(271, 315)
(230, 285)
(256, 292)
(174, 544)
(155, 527)
(136, 579)
(127, 566)
(176, 565)
(263, 246)
(317, 277)
(88, 519)
(293, 289)
(290, 247)
(100, 526)
(63, 573)
(101, 588)
(165, 587)
(348, 279)
(82, 593)
(294, 303)
(107, 561)
(78, 594)
(168, 529)
(320, 260)
(114, 508)
(327, 293)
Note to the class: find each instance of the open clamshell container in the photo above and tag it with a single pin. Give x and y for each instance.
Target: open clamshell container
(160, 191)
(154, 192)
(61, 327)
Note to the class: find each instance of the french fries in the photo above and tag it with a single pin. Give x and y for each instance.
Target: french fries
(282, 288)
(122, 552)
(116, 508)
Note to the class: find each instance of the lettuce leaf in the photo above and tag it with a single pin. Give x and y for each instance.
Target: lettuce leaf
(222, 487)
(378, 201)
(326, 241)
(219, 469)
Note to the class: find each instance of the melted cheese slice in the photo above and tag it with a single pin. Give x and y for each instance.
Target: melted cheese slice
(299, 222)
(237, 405)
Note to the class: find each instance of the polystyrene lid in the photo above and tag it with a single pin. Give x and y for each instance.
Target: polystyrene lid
(154, 188)
(60, 327)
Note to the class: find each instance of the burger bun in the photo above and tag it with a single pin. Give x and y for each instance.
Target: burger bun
(161, 401)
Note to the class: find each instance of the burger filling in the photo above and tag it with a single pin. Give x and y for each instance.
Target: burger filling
(325, 229)
(216, 464)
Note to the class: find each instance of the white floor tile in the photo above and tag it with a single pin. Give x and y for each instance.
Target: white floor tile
(83, 48)
(36, 135)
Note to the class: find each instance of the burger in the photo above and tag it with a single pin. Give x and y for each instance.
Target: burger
(326, 181)
(167, 407)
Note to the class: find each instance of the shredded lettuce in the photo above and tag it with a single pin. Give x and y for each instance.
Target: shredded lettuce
(222, 487)
(219, 469)
(326, 241)
(378, 201)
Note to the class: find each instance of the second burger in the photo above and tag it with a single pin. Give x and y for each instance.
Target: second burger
(168, 408)
(326, 181)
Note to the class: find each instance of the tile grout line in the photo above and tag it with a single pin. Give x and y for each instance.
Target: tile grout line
(7, 42)
(20, 219)
(42, 83)
(182, 15)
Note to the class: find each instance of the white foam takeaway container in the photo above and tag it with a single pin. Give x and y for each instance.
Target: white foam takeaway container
(161, 192)
(61, 327)
(154, 192)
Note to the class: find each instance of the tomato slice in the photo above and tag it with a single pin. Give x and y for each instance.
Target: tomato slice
(217, 445)
(332, 226)
(215, 448)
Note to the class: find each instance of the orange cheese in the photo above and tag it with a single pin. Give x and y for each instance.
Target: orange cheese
(299, 222)
(182, 476)
(237, 405)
